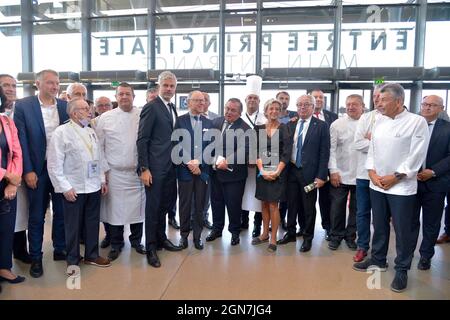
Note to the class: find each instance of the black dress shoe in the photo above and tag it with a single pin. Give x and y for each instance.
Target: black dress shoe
(424, 264)
(306, 246)
(152, 259)
(286, 239)
(299, 233)
(105, 243)
(327, 235)
(351, 244)
(36, 269)
(334, 244)
(400, 281)
(198, 244)
(139, 249)
(59, 256)
(17, 279)
(169, 246)
(25, 258)
(207, 225)
(213, 235)
(235, 240)
(113, 254)
(173, 222)
(183, 243)
(256, 231)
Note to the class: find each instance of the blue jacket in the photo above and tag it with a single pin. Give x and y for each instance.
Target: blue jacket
(30, 124)
(190, 146)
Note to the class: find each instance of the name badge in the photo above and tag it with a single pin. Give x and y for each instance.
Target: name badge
(93, 169)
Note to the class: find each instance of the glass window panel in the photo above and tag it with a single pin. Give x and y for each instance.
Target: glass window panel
(240, 43)
(241, 4)
(9, 11)
(11, 55)
(368, 2)
(437, 31)
(187, 41)
(62, 9)
(300, 38)
(119, 7)
(291, 4)
(119, 43)
(189, 5)
(57, 45)
(376, 36)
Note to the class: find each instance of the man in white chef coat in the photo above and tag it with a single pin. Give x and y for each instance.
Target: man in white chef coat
(396, 152)
(252, 116)
(125, 202)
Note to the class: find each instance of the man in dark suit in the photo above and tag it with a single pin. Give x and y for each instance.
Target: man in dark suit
(36, 118)
(434, 178)
(155, 165)
(229, 171)
(192, 171)
(309, 164)
(324, 192)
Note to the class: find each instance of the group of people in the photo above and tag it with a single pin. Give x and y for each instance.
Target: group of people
(128, 165)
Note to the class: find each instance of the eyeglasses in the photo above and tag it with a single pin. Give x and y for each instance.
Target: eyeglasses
(306, 105)
(104, 105)
(431, 105)
(197, 100)
(84, 109)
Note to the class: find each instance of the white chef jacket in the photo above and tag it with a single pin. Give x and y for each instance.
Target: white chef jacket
(125, 202)
(343, 158)
(398, 145)
(71, 150)
(365, 125)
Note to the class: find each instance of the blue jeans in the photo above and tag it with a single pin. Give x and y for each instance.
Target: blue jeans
(363, 206)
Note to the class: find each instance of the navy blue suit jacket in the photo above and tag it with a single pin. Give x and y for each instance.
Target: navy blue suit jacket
(315, 149)
(30, 124)
(154, 143)
(184, 122)
(438, 158)
(240, 145)
(329, 116)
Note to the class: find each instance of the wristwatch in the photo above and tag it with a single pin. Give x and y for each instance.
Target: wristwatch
(433, 174)
(399, 176)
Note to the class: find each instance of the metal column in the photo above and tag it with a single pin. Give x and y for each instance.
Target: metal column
(419, 53)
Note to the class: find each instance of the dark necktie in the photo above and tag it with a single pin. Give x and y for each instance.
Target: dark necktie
(171, 108)
(298, 160)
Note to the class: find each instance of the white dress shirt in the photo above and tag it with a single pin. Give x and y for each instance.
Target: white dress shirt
(51, 120)
(297, 128)
(117, 131)
(361, 144)
(71, 150)
(398, 145)
(343, 158)
(172, 112)
(319, 116)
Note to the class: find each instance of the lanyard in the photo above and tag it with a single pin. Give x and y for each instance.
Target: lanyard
(88, 145)
(249, 119)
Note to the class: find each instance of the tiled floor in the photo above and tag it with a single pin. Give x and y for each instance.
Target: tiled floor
(221, 271)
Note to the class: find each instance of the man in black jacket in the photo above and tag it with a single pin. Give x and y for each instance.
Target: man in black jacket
(155, 165)
(324, 192)
(309, 164)
(434, 178)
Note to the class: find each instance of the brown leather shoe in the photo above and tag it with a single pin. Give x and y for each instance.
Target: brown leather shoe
(98, 262)
(444, 238)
